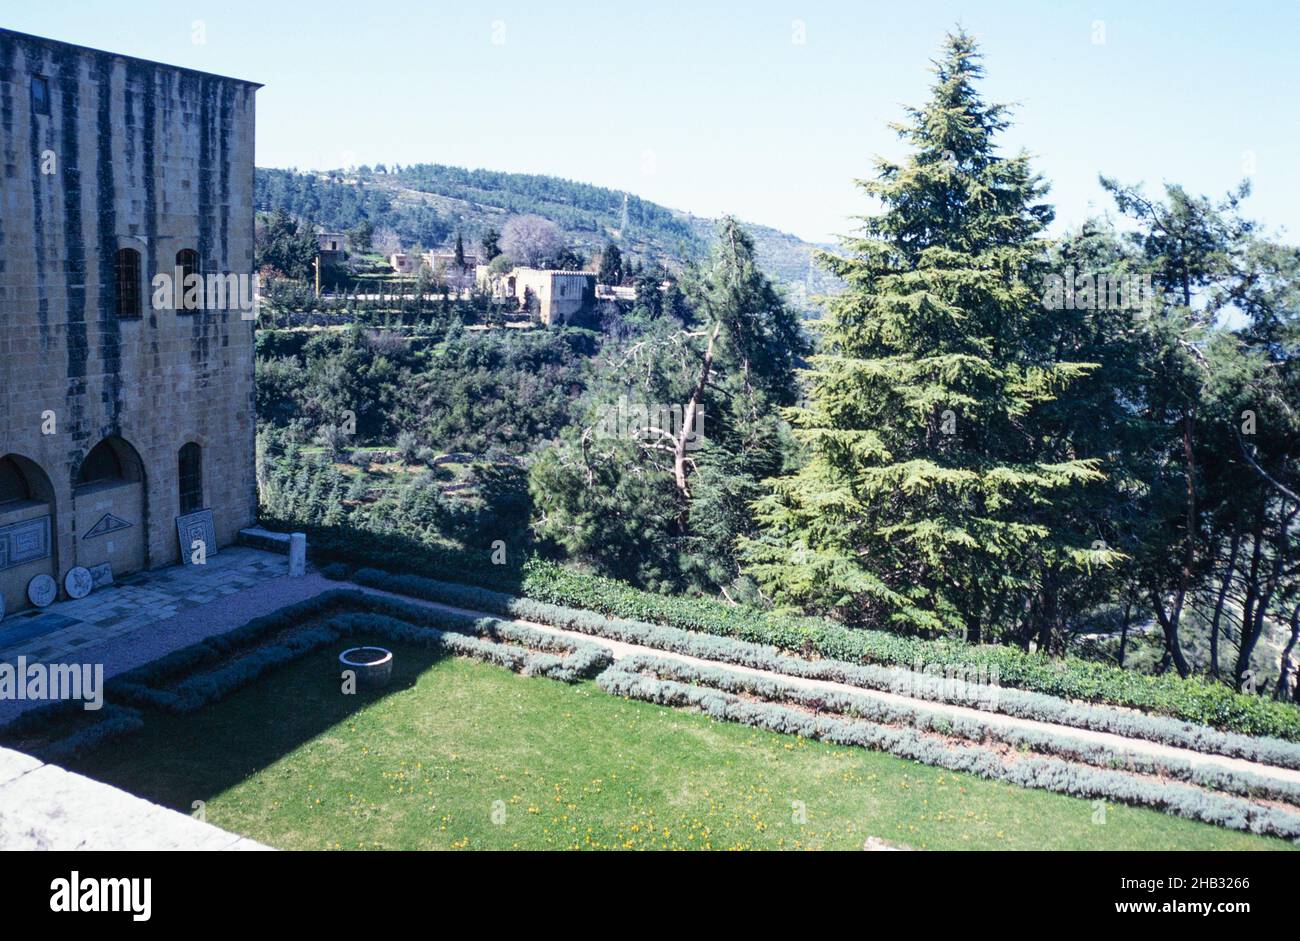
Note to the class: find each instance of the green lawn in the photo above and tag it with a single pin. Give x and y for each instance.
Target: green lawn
(454, 744)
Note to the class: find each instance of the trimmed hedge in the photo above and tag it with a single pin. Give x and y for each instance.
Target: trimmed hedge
(115, 722)
(1193, 700)
(977, 730)
(1050, 774)
(109, 722)
(396, 621)
(1012, 702)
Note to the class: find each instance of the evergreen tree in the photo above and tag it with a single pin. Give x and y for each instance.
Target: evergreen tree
(931, 494)
(491, 245)
(287, 247)
(611, 265)
(460, 253)
(363, 235)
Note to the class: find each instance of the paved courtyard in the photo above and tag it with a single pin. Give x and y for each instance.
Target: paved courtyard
(137, 601)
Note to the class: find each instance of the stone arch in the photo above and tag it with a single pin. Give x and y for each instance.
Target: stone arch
(111, 503)
(21, 472)
(112, 459)
(29, 544)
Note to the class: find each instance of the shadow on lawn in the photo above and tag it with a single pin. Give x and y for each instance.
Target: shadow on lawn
(176, 760)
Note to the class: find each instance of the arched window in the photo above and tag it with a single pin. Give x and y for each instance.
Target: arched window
(101, 464)
(13, 482)
(187, 263)
(127, 269)
(191, 478)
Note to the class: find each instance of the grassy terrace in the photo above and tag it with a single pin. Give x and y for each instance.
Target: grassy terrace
(291, 762)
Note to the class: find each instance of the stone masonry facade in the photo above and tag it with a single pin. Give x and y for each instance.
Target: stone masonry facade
(119, 412)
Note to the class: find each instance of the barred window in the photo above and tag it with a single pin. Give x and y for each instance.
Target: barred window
(40, 95)
(128, 282)
(191, 478)
(187, 263)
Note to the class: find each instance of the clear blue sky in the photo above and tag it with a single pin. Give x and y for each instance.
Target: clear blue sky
(714, 107)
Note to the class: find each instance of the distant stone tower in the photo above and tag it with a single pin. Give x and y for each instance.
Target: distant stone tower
(120, 411)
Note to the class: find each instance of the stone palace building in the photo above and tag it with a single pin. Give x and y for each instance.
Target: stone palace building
(126, 411)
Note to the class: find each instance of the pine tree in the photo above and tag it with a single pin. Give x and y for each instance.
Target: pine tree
(611, 265)
(927, 498)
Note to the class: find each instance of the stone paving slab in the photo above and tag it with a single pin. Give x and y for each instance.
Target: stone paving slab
(48, 808)
(138, 601)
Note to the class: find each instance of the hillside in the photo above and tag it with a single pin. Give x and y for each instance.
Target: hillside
(427, 204)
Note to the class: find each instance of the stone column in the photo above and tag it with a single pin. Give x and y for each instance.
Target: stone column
(297, 554)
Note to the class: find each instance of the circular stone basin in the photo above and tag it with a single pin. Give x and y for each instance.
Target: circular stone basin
(373, 665)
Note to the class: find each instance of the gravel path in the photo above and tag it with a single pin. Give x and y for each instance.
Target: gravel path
(620, 650)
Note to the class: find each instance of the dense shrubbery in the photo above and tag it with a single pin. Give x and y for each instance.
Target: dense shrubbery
(455, 390)
(1051, 774)
(339, 549)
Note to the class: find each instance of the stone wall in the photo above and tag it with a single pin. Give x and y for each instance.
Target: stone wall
(136, 155)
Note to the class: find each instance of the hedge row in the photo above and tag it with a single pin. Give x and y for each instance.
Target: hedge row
(396, 621)
(219, 647)
(1193, 700)
(1050, 774)
(114, 722)
(1013, 702)
(973, 729)
(109, 722)
(561, 658)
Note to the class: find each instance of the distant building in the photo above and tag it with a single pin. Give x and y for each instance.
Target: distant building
(555, 296)
(448, 260)
(403, 263)
(332, 247)
(613, 292)
(456, 276)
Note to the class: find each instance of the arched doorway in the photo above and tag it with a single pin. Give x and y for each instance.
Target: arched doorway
(109, 497)
(28, 541)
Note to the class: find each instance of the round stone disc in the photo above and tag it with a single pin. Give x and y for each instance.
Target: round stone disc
(42, 590)
(78, 582)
